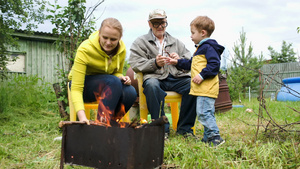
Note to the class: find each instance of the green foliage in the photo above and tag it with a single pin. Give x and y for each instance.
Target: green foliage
(244, 71)
(126, 67)
(287, 54)
(63, 78)
(73, 24)
(14, 15)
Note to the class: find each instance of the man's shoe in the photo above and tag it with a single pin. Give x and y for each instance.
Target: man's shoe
(190, 136)
(216, 141)
(204, 141)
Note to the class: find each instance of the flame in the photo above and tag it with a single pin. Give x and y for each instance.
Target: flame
(118, 116)
(143, 121)
(122, 124)
(105, 115)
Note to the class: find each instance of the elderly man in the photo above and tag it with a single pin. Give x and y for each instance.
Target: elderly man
(147, 55)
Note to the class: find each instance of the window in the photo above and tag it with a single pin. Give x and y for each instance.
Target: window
(16, 63)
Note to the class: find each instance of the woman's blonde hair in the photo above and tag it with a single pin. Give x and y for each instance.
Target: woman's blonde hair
(112, 23)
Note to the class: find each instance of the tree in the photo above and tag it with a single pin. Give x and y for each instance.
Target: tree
(243, 73)
(15, 15)
(73, 24)
(287, 54)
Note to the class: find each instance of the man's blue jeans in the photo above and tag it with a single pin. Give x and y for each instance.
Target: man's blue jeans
(206, 116)
(154, 91)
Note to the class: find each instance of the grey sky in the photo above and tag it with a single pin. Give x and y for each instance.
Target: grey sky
(266, 23)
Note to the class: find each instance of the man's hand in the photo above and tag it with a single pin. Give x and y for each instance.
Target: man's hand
(160, 60)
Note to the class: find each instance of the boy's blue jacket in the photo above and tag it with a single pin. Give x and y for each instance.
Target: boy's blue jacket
(206, 61)
(212, 51)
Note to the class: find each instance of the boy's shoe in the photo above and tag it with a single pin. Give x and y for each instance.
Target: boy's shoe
(216, 141)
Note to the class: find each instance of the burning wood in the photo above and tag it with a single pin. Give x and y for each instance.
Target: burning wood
(134, 124)
(158, 122)
(144, 124)
(63, 123)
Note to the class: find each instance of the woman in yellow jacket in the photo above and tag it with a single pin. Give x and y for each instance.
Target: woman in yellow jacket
(97, 74)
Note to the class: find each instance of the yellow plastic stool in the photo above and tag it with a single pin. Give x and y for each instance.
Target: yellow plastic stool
(172, 97)
(88, 107)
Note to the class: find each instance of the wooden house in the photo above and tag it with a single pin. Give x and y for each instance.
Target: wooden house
(37, 55)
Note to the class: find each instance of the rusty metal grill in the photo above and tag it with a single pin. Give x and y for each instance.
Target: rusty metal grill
(112, 147)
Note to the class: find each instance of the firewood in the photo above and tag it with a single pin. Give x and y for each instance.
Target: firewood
(63, 123)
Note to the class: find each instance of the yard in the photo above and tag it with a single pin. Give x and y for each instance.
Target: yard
(29, 127)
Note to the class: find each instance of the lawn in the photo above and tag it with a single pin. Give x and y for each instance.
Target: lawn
(29, 127)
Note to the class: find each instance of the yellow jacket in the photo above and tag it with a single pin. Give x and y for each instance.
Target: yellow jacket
(91, 60)
(208, 87)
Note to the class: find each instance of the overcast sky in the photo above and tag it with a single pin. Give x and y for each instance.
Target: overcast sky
(266, 23)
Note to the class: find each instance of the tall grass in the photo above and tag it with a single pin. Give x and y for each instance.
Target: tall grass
(26, 92)
(29, 120)
(28, 124)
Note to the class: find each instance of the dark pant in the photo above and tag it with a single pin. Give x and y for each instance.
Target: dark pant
(111, 93)
(154, 91)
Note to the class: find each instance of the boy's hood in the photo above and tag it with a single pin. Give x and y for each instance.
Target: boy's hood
(215, 45)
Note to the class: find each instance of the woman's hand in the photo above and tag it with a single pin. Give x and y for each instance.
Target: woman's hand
(125, 79)
(82, 117)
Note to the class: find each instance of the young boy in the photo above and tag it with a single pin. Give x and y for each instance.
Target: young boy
(204, 66)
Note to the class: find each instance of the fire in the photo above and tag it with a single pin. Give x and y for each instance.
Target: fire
(104, 114)
(143, 121)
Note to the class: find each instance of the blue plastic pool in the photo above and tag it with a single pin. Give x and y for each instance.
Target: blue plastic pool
(289, 93)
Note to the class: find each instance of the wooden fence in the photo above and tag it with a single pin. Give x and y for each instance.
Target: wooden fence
(273, 74)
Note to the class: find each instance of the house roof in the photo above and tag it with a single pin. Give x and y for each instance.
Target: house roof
(35, 35)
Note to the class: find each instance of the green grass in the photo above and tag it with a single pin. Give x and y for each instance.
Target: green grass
(29, 124)
(278, 150)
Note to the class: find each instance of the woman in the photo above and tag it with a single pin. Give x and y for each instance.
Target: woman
(97, 74)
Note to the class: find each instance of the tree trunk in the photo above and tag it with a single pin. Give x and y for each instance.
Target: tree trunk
(61, 104)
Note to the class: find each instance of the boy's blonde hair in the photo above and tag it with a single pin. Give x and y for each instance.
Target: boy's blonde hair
(204, 23)
(112, 23)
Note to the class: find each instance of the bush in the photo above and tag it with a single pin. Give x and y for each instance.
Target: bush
(25, 94)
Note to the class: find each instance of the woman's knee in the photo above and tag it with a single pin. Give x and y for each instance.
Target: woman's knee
(129, 96)
(130, 91)
(113, 79)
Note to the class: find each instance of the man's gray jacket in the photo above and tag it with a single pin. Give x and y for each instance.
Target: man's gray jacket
(144, 51)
